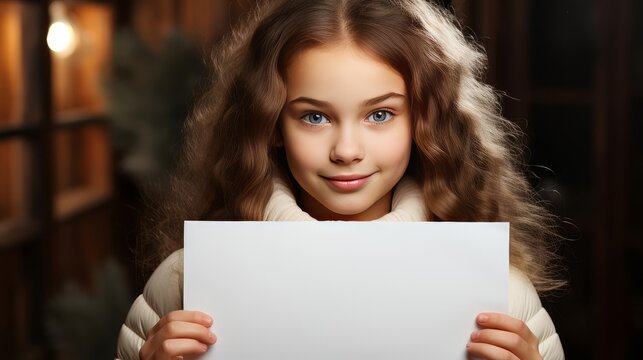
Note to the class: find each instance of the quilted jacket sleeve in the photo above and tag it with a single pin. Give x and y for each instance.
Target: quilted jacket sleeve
(525, 305)
(163, 293)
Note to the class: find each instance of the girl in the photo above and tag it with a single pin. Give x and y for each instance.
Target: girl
(350, 110)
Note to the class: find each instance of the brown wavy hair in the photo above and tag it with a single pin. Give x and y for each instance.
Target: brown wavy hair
(466, 156)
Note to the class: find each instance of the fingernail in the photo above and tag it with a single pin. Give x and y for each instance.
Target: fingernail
(212, 337)
(204, 347)
(208, 320)
(482, 318)
(475, 335)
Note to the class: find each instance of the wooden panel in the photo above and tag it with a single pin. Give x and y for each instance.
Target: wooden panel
(97, 162)
(201, 20)
(610, 159)
(563, 34)
(568, 162)
(11, 93)
(79, 246)
(634, 213)
(12, 181)
(83, 169)
(24, 180)
(14, 304)
(636, 39)
(153, 19)
(67, 160)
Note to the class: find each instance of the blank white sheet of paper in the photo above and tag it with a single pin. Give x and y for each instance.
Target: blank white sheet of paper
(344, 290)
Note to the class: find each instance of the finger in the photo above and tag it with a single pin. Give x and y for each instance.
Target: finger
(506, 340)
(505, 322)
(183, 330)
(172, 348)
(489, 352)
(196, 317)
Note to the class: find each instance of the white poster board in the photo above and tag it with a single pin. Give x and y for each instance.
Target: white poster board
(344, 290)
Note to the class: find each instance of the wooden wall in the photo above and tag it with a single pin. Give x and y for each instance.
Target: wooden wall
(571, 72)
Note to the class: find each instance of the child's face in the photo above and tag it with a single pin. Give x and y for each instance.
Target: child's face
(347, 132)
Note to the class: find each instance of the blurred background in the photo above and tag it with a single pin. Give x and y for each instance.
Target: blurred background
(93, 95)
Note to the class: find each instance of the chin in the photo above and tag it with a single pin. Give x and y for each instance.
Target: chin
(345, 210)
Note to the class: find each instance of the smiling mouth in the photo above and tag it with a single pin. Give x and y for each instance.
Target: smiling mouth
(348, 182)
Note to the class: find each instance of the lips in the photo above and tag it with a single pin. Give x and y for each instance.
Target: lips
(348, 182)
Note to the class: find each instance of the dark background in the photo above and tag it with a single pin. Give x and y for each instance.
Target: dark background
(82, 137)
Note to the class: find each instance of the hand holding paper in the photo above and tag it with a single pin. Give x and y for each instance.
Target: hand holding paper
(179, 333)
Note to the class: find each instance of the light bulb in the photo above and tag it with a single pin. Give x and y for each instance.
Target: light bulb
(61, 37)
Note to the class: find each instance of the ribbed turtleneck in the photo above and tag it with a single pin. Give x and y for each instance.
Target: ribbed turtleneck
(407, 204)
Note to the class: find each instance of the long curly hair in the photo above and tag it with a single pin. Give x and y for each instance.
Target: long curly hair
(466, 156)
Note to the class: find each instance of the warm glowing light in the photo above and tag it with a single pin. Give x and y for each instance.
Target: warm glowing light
(61, 38)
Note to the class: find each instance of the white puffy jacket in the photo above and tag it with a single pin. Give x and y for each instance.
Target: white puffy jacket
(163, 292)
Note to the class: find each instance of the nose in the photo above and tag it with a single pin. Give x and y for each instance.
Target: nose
(347, 147)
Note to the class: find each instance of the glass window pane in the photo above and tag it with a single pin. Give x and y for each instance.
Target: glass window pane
(11, 92)
(78, 65)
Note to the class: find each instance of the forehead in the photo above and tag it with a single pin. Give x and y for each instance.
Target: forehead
(340, 70)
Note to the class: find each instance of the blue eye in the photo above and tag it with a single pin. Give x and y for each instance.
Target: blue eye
(380, 116)
(315, 118)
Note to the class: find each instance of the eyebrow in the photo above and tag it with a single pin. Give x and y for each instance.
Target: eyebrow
(365, 103)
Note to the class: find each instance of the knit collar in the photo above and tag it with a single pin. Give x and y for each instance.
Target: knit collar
(407, 204)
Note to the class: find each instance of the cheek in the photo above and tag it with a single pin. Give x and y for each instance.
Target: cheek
(393, 150)
(303, 153)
